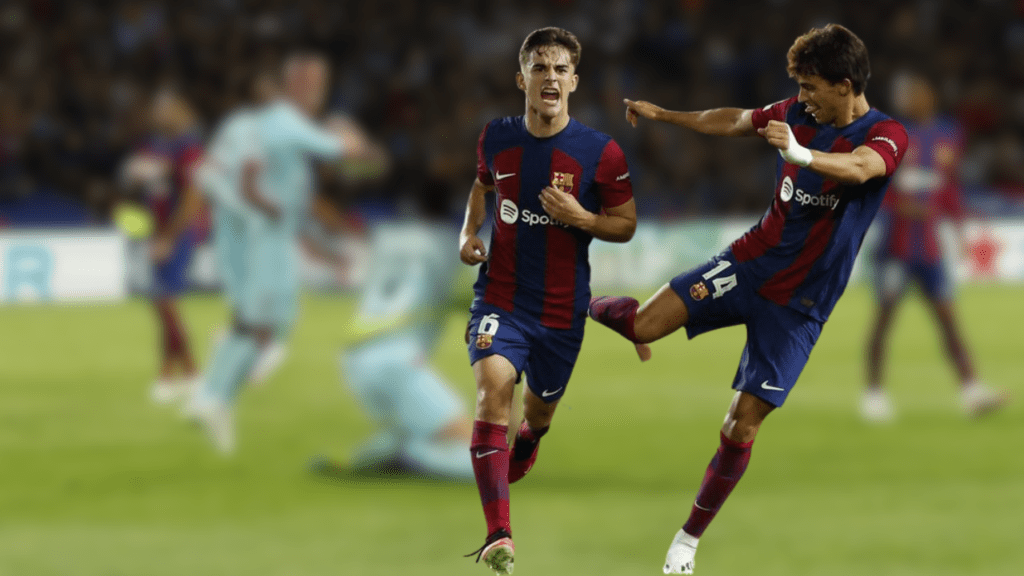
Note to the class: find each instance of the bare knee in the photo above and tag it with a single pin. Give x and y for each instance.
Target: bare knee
(495, 384)
(745, 417)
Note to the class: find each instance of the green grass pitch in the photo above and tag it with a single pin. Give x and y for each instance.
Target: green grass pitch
(95, 481)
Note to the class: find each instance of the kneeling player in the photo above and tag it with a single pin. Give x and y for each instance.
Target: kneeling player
(783, 277)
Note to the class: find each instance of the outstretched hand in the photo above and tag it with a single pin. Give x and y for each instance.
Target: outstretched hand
(640, 108)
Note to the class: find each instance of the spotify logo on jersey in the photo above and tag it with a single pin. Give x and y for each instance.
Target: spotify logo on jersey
(786, 194)
(508, 212)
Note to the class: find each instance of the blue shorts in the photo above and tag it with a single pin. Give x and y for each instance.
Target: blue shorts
(893, 275)
(548, 355)
(170, 277)
(723, 293)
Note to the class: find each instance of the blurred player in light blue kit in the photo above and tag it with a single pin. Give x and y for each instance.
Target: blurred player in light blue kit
(403, 311)
(266, 154)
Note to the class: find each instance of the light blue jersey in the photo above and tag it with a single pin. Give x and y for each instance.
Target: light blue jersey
(409, 283)
(401, 314)
(220, 176)
(287, 141)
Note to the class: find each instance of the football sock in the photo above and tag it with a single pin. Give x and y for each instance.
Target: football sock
(231, 364)
(617, 313)
(170, 327)
(526, 440)
(489, 449)
(721, 477)
(447, 459)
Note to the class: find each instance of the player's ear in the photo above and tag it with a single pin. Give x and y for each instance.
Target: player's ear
(521, 81)
(845, 87)
(575, 82)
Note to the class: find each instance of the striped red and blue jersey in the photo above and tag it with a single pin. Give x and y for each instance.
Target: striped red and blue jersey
(182, 155)
(538, 267)
(802, 250)
(924, 192)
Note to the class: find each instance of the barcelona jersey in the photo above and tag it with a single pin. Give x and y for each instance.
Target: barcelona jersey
(803, 248)
(538, 267)
(925, 191)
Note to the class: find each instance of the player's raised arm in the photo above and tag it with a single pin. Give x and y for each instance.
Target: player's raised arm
(877, 157)
(471, 247)
(716, 122)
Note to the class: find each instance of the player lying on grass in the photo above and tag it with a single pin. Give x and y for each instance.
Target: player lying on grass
(557, 185)
(783, 277)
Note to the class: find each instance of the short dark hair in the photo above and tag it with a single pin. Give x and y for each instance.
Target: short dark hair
(551, 36)
(834, 53)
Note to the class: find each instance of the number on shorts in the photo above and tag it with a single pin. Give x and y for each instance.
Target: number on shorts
(489, 325)
(722, 285)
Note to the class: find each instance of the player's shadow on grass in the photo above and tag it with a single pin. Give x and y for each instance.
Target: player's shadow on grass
(393, 472)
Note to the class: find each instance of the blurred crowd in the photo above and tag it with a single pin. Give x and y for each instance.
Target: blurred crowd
(424, 77)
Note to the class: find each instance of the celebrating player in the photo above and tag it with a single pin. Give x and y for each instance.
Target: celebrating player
(925, 190)
(258, 241)
(783, 277)
(557, 185)
(163, 169)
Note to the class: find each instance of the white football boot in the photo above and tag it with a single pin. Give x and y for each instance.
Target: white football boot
(679, 559)
(167, 390)
(216, 420)
(977, 399)
(875, 407)
(500, 556)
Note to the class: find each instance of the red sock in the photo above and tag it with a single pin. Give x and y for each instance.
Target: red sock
(174, 339)
(617, 313)
(489, 449)
(723, 473)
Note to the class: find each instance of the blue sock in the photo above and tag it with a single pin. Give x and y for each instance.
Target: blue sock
(230, 367)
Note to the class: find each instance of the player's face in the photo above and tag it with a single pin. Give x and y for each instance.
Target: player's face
(307, 84)
(824, 100)
(548, 77)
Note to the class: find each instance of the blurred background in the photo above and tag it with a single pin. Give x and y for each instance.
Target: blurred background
(89, 464)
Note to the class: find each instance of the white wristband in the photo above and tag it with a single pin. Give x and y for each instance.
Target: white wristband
(795, 154)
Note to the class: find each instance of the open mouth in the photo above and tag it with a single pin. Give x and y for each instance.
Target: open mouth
(549, 95)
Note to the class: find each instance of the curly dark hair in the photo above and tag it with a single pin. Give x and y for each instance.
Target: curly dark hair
(833, 53)
(551, 36)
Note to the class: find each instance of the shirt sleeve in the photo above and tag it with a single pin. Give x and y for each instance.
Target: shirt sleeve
(483, 173)
(889, 139)
(776, 111)
(313, 139)
(614, 186)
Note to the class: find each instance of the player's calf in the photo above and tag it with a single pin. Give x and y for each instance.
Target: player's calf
(524, 451)
(617, 313)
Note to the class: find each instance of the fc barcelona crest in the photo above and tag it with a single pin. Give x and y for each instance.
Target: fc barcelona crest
(562, 181)
(484, 341)
(698, 291)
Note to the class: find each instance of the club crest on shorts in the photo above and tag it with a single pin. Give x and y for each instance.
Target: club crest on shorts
(562, 181)
(484, 341)
(698, 291)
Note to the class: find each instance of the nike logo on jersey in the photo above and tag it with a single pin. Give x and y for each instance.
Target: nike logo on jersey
(547, 393)
(623, 177)
(482, 454)
(766, 386)
(500, 176)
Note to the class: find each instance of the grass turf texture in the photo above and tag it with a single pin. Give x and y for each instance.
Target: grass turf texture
(95, 481)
